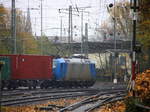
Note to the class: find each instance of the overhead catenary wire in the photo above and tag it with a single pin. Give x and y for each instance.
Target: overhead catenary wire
(74, 3)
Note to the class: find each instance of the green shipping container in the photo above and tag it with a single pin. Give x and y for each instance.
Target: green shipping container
(6, 70)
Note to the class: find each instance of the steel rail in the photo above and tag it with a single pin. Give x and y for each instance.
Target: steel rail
(106, 101)
(142, 106)
(100, 97)
(47, 91)
(40, 91)
(33, 99)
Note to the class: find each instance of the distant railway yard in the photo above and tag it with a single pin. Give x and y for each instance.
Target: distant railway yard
(74, 56)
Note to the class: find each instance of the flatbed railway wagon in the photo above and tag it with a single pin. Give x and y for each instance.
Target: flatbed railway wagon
(26, 70)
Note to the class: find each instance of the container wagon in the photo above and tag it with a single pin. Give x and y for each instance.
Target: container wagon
(27, 70)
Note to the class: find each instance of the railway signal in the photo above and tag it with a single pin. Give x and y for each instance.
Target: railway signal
(134, 7)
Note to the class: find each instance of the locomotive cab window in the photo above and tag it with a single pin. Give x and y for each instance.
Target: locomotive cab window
(54, 64)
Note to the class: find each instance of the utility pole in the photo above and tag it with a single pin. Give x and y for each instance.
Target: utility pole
(70, 28)
(13, 27)
(71, 25)
(28, 27)
(86, 40)
(41, 28)
(82, 32)
(81, 9)
(60, 28)
(35, 26)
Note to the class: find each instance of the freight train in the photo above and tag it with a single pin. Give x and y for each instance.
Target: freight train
(46, 71)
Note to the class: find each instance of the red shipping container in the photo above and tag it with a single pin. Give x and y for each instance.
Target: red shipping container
(34, 67)
(31, 67)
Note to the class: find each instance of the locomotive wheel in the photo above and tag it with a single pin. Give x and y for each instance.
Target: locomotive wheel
(77, 84)
(2, 88)
(41, 86)
(29, 87)
(8, 87)
(92, 83)
(80, 84)
(57, 84)
(86, 84)
(46, 87)
(2, 85)
(53, 84)
(89, 83)
(34, 84)
(69, 85)
(14, 87)
(65, 84)
(34, 87)
(73, 85)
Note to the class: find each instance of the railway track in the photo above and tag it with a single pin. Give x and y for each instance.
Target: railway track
(39, 91)
(43, 96)
(95, 101)
(89, 103)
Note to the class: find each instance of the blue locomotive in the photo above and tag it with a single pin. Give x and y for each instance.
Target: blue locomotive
(74, 72)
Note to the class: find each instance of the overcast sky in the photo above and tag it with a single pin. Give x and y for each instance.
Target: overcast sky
(51, 17)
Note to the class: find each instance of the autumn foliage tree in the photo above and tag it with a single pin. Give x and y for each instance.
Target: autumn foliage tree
(121, 13)
(144, 33)
(5, 41)
(26, 42)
